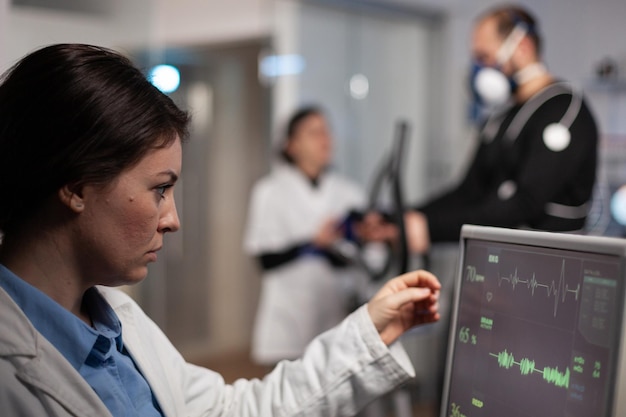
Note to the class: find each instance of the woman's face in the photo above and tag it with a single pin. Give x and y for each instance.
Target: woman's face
(311, 144)
(122, 225)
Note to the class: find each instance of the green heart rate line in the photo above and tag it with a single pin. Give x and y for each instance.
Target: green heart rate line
(557, 289)
(527, 366)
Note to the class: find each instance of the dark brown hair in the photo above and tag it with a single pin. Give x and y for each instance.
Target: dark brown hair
(508, 16)
(294, 122)
(75, 114)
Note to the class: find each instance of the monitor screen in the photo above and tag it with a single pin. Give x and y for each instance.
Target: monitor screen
(536, 326)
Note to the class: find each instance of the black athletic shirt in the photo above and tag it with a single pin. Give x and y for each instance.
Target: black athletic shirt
(519, 181)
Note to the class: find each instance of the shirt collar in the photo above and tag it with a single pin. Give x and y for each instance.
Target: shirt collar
(298, 175)
(67, 333)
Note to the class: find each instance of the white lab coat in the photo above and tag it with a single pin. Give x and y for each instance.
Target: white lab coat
(341, 372)
(307, 296)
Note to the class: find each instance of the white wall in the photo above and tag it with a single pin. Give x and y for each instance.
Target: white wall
(123, 24)
(208, 21)
(133, 24)
(4, 11)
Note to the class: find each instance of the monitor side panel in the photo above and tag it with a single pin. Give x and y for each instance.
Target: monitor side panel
(619, 407)
(444, 408)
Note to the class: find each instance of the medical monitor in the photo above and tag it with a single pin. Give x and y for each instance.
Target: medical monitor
(537, 326)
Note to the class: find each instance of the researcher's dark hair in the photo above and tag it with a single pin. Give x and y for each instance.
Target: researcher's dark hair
(294, 122)
(508, 16)
(75, 114)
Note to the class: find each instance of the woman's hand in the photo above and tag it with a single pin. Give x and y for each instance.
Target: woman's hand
(404, 302)
(327, 234)
(374, 228)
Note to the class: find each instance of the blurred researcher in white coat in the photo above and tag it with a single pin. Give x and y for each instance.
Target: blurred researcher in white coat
(296, 219)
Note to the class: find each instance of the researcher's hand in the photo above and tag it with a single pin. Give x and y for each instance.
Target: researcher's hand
(404, 302)
(417, 235)
(374, 228)
(327, 234)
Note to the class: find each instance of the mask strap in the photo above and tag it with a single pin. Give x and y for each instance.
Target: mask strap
(530, 72)
(511, 43)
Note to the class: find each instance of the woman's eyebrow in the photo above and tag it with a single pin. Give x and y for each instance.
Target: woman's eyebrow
(170, 173)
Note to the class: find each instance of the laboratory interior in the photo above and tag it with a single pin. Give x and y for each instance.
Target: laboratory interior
(242, 67)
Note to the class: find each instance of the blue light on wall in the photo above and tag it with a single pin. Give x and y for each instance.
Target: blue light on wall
(165, 77)
(272, 66)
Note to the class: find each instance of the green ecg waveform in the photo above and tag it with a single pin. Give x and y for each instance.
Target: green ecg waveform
(527, 366)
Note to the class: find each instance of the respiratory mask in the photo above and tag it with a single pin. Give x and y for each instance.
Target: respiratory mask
(490, 86)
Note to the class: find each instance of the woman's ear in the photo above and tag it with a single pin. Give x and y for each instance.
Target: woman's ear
(290, 148)
(72, 198)
(286, 148)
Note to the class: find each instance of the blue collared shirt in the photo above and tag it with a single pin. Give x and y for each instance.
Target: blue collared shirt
(97, 353)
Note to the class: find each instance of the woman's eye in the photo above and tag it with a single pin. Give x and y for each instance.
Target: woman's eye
(160, 190)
